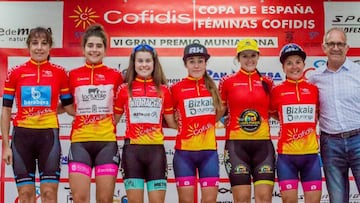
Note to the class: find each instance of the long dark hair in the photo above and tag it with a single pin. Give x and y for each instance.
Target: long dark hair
(158, 75)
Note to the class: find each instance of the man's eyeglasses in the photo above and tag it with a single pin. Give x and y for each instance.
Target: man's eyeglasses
(142, 47)
(340, 45)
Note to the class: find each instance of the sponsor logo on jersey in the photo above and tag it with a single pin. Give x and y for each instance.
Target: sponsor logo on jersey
(250, 120)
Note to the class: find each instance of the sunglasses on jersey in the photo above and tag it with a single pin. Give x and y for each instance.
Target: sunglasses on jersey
(144, 47)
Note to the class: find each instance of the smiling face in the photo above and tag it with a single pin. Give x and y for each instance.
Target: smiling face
(39, 48)
(335, 47)
(293, 67)
(144, 64)
(94, 50)
(248, 60)
(196, 66)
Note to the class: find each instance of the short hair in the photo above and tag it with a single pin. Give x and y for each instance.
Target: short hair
(40, 32)
(96, 30)
(326, 35)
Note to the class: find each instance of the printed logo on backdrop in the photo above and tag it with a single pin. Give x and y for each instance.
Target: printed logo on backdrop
(301, 21)
(347, 18)
(215, 75)
(276, 76)
(84, 17)
(170, 152)
(321, 62)
(173, 80)
(64, 160)
(221, 159)
(357, 61)
(14, 29)
(180, 42)
(14, 34)
(81, 18)
(318, 63)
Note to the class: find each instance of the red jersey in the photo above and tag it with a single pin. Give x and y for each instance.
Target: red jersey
(94, 88)
(248, 105)
(37, 88)
(144, 111)
(196, 115)
(297, 104)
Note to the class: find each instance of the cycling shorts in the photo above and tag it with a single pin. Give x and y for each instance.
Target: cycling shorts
(104, 156)
(187, 163)
(307, 166)
(250, 158)
(36, 146)
(144, 163)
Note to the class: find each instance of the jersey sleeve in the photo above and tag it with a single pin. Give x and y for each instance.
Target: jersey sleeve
(174, 95)
(65, 94)
(222, 91)
(121, 98)
(119, 80)
(71, 81)
(273, 100)
(168, 102)
(9, 88)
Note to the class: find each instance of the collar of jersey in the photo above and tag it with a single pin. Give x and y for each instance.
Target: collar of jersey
(92, 65)
(38, 63)
(246, 72)
(294, 81)
(141, 79)
(195, 79)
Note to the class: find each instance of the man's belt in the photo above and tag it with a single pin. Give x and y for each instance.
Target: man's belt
(343, 134)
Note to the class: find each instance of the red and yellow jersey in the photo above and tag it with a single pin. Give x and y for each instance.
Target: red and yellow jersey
(196, 114)
(248, 105)
(36, 88)
(94, 89)
(144, 110)
(297, 104)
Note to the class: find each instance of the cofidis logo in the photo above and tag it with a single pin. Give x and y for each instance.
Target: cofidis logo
(84, 17)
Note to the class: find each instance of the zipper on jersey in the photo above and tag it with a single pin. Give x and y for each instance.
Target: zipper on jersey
(249, 74)
(145, 86)
(197, 87)
(92, 74)
(297, 91)
(250, 82)
(38, 72)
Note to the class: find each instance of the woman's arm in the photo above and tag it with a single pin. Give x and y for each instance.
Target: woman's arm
(5, 128)
(170, 121)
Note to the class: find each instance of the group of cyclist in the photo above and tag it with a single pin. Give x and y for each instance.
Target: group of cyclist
(97, 96)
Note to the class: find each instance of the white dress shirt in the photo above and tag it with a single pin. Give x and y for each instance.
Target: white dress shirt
(339, 94)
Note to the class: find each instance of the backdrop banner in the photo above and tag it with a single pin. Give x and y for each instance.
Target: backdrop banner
(169, 26)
